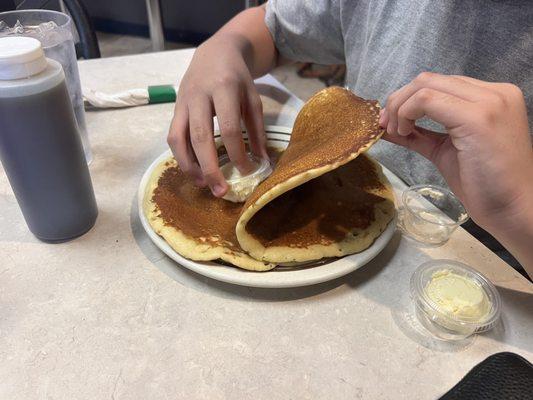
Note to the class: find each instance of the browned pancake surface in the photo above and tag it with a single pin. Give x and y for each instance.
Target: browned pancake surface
(323, 210)
(333, 125)
(195, 211)
(330, 131)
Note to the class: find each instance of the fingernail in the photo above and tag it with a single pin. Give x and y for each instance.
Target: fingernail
(218, 190)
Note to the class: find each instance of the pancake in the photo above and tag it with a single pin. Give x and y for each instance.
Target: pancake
(332, 129)
(338, 213)
(322, 200)
(192, 221)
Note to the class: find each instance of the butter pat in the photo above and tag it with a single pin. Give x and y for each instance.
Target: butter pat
(457, 295)
(241, 187)
(231, 172)
(452, 300)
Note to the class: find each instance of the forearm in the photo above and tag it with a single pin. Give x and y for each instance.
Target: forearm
(518, 238)
(250, 37)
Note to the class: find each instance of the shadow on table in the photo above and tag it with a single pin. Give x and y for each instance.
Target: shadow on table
(518, 306)
(196, 281)
(514, 327)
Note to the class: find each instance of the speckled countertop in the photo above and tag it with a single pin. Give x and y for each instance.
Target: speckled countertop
(108, 316)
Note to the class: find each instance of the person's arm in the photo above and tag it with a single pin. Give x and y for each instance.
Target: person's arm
(518, 238)
(219, 82)
(250, 34)
(487, 156)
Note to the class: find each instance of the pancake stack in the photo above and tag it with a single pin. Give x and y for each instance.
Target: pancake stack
(324, 198)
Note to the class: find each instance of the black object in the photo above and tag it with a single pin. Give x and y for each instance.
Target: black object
(88, 45)
(502, 376)
(7, 5)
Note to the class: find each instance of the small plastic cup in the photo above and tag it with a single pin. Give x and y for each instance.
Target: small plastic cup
(439, 320)
(240, 188)
(430, 214)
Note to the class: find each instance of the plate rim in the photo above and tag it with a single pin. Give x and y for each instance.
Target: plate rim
(266, 279)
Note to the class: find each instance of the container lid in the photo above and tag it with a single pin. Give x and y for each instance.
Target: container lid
(20, 57)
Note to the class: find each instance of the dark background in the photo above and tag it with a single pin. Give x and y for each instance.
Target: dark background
(190, 21)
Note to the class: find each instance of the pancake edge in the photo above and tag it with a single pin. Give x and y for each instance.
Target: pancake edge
(186, 246)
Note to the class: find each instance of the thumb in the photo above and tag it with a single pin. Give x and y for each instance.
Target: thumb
(425, 142)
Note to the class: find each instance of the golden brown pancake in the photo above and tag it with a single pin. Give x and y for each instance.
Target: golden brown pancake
(317, 203)
(332, 129)
(323, 210)
(194, 223)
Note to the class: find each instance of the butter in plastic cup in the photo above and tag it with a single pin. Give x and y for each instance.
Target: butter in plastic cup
(440, 320)
(241, 187)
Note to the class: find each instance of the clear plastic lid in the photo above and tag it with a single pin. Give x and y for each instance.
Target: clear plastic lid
(444, 321)
(241, 187)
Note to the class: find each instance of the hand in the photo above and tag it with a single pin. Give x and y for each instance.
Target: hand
(217, 82)
(486, 158)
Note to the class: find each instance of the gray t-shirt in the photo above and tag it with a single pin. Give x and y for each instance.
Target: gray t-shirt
(387, 43)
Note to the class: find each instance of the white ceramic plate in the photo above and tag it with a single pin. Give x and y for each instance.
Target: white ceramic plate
(280, 277)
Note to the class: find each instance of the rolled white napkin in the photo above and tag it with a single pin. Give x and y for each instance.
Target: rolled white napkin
(130, 98)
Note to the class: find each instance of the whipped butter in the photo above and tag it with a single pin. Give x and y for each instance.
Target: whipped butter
(452, 300)
(242, 186)
(457, 295)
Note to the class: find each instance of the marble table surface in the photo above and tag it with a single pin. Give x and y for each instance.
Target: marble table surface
(108, 316)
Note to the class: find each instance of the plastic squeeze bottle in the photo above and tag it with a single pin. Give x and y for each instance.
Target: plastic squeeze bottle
(40, 146)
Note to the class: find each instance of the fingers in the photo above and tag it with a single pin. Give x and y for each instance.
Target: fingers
(451, 85)
(503, 91)
(433, 146)
(252, 113)
(474, 81)
(423, 141)
(227, 108)
(203, 144)
(191, 133)
(179, 143)
(443, 108)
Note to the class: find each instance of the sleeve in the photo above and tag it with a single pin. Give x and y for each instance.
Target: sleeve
(308, 31)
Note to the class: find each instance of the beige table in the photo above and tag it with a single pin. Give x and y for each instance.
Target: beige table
(108, 316)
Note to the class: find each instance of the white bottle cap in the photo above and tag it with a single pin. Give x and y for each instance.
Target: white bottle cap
(20, 57)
